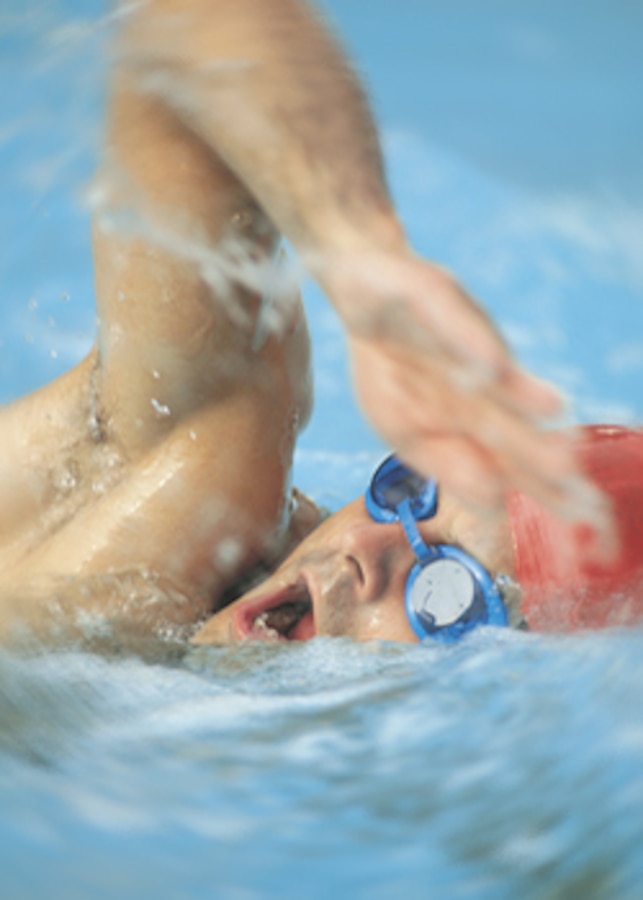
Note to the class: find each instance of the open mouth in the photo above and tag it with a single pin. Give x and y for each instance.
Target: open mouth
(286, 615)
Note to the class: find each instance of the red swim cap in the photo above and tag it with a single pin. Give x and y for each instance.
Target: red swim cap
(564, 586)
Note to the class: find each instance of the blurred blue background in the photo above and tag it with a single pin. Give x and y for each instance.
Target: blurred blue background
(508, 767)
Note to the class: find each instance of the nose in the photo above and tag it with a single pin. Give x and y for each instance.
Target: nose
(380, 554)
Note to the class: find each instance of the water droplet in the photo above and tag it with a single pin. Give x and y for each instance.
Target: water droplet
(64, 481)
(228, 554)
(161, 410)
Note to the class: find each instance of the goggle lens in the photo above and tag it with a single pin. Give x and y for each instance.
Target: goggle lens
(447, 592)
(394, 483)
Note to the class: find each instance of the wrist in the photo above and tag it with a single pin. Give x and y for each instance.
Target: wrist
(334, 241)
(359, 271)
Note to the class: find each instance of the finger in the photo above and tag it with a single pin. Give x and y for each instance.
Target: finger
(543, 464)
(480, 482)
(471, 368)
(501, 448)
(525, 396)
(558, 483)
(416, 402)
(525, 392)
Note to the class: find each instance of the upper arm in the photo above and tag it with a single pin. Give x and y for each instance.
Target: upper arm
(178, 242)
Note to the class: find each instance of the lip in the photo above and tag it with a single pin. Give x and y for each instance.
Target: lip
(245, 616)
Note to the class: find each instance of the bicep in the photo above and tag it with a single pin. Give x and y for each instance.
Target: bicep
(175, 236)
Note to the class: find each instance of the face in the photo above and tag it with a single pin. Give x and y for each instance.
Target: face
(347, 578)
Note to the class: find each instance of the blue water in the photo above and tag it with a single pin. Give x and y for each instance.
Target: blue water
(509, 767)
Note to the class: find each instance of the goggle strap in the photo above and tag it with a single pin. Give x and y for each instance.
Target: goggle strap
(423, 553)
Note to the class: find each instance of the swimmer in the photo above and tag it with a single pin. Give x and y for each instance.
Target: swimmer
(368, 575)
(142, 484)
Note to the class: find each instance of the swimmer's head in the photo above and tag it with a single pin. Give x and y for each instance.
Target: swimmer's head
(349, 577)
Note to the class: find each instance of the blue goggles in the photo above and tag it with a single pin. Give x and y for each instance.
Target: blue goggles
(448, 593)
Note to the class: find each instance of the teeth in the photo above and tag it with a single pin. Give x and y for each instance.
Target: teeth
(279, 621)
(261, 626)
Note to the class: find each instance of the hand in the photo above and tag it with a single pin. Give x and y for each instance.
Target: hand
(439, 385)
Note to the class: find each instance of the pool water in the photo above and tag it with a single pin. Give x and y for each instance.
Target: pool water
(510, 766)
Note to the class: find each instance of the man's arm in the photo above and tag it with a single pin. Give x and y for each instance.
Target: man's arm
(157, 471)
(265, 85)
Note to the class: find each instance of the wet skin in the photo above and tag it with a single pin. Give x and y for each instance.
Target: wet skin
(347, 578)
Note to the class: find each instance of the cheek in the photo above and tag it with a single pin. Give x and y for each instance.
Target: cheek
(337, 613)
(385, 621)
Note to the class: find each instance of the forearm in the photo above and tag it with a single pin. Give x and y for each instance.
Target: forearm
(268, 89)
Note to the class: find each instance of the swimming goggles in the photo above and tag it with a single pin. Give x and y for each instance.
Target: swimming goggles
(448, 593)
